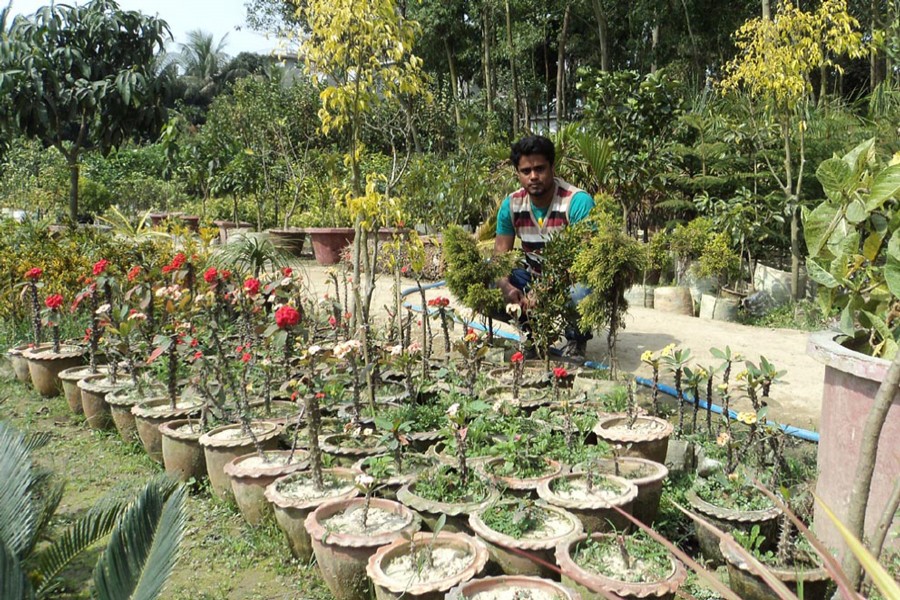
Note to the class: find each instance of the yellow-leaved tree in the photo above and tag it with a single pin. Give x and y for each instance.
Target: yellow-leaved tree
(773, 65)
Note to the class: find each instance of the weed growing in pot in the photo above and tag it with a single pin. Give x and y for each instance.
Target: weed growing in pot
(634, 558)
(515, 517)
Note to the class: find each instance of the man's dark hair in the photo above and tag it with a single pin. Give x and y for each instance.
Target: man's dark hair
(533, 144)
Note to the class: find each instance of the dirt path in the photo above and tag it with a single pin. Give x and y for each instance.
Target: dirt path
(796, 401)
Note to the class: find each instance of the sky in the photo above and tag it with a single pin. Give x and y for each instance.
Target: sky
(218, 17)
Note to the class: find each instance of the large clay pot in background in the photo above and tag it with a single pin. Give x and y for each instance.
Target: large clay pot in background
(182, 454)
(94, 389)
(45, 365)
(223, 444)
(673, 299)
(290, 239)
(329, 242)
(647, 438)
(149, 414)
(851, 382)
(718, 308)
(19, 362)
(69, 380)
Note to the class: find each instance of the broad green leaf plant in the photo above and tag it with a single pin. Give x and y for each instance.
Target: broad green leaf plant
(854, 247)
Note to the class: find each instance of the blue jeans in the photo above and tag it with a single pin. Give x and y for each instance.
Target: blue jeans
(521, 279)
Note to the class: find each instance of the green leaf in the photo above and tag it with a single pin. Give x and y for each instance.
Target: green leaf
(886, 185)
(18, 511)
(835, 175)
(892, 266)
(143, 547)
(859, 157)
(889, 348)
(847, 322)
(872, 245)
(820, 275)
(13, 583)
(818, 225)
(856, 212)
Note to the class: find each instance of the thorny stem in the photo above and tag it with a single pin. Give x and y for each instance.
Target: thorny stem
(631, 406)
(365, 512)
(296, 435)
(357, 407)
(426, 327)
(315, 455)
(407, 328)
(680, 400)
(695, 393)
(461, 456)
(244, 413)
(709, 393)
(784, 540)
(620, 540)
(445, 329)
(173, 371)
(54, 330)
(35, 313)
(518, 368)
(655, 390)
(288, 346)
(95, 332)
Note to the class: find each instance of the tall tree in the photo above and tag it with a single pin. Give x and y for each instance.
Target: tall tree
(201, 56)
(78, 77)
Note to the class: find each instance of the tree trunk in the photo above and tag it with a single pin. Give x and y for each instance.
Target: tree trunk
(72, 161)
(654, 44)
(454, 81)
(547, 77)
(561, 68)
(602, 33)
(512, 70)
(486, 60)
(766, 11)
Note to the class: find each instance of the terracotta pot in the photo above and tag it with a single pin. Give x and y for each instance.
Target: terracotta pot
(506, 551)
(851, 382)
(345, 452)
(45, 365)
(283, 411)
(150, 413)
(291, 511)
(648, 439)
(182, 455)
(518, 486)
(413, 464)
(249, 479)
(342, 557)
(228, 229)
(595, 511)
(456, 513)
(290, 239)
(729, 520)
(593, 585)
(120, 404)
(69, 379)
(532, 376)
(530, 398)
(94, 389)
(19, 362)
(386, 234)
(192, 222)
(513, 586)
(647, 475)
(220, 447)
(747, 582)
(674, 299)
(390, 588)
(329, 242)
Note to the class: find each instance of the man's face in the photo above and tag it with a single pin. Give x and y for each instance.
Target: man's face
(535, 174)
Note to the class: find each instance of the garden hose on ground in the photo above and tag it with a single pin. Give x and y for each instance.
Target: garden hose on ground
(803, 434)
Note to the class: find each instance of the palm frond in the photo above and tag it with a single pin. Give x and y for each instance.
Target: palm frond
(598, 153)
(13, 583)
(122, 225)
(80, 536)
(251, 253)
(46, 502)
(18, 517)
(143, 547)
(36, 440)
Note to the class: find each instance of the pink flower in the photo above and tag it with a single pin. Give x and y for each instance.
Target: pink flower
(517, 357)
(34, 273)
(246, 357)
(287, 271)
(198, 355)
(100, 266)
(54, 301)
(286, 316)
(332, 321)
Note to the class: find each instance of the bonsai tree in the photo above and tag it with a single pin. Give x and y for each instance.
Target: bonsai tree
(609, 263)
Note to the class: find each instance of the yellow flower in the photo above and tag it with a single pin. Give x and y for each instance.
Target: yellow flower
(647, 356)
(667, 351)
(732, 477)
(742, 375)
(723, 438)
(702, 374)
(747, 417)
(722, 387)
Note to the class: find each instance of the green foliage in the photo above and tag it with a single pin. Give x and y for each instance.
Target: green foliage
(470, 276)
(645, 559)
(854, 247)
(551, 311)
(718, 259)
(804, 315)
(443, 485)
(515, 518)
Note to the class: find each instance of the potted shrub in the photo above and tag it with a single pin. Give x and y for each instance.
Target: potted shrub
(591, 497)
(647, 475)
(46, 363)
(642, 436)
(329, 229)
(629, 566)
(720, 263)
(517, 529)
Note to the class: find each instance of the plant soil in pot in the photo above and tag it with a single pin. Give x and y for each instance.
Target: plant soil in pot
(182, 454)
(97, 412)
(151, 412)
(532, 376)
(347, 449)
(439, 493)
(69, 379)
(45, 365)
(343, 545)
(426, 567)
(329, 242)
(647, 437)
(295, 496)
(521, 476)
(520, 525)
(250, 474)
(747, 582)
(630, 566)
(729, 509)
(19, 362)
(512, 587)
(647, 475)
(591, 498)
(223, 444)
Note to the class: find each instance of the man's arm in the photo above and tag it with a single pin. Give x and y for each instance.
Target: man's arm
(503, 244)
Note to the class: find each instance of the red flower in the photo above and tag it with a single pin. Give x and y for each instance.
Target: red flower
(198, 355)
(100, 267)
(178, 260)
(404, 269)
(134, 272)
(517, 357)
(87, 334)
(560, 373)
(34, 273)
(210, 275)
(332, 321)
(320, 395)
(239, 349)
(286, 316)
(224, 273)
(54, 301)
(440, 302)
(251, 286)
(195, 342)
(246, 357)
(287, 271)
(348, 316)
(294, 396)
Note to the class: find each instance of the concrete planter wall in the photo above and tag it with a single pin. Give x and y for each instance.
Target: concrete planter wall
(851, 381)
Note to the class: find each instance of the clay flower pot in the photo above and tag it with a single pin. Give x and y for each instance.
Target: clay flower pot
(747, 582)
(329, 242)
(413, 465)
(97, 413)
(69, 379)
(347, 449)
(120, 404)
(596, 585)
(223, 444)
(182, 455)
(250, 477)
(593, 507)
(342, 555)
(396, 574)
(290, 239)
(512, 586)
(293, 498)
(19, 362)
(150, 413)
(647, 475)
(45, 365)
(648, 438)
(519, 486)
(540, 543)
(728, 520)
(529, 400)
(456, 513)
